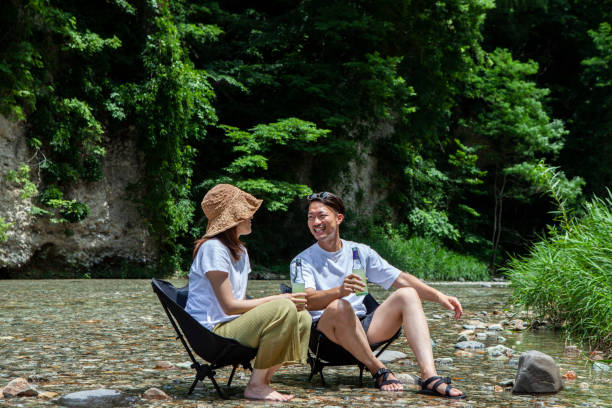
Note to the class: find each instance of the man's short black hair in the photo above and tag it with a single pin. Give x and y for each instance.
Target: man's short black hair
(329, 199)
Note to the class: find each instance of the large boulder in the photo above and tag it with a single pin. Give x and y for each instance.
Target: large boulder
(537, 373)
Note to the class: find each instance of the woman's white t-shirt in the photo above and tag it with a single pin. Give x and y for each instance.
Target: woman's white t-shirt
(202, 302)
(324, 270)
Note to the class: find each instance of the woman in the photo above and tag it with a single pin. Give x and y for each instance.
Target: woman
(279, 325)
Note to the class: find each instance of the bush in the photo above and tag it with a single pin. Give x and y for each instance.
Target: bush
(567, 277)
(425, 258)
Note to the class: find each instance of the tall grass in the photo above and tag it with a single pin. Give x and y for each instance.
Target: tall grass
(425, 258)
(567, 277)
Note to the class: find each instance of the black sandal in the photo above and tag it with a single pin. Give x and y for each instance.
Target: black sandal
(384, 372)
(434, 390)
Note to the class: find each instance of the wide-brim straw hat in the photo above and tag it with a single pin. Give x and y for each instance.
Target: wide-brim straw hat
(226, 206)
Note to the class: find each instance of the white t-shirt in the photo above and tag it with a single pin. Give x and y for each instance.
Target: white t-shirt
(202, 302)
(324, 270)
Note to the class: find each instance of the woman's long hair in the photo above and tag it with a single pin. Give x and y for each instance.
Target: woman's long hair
(229, 238)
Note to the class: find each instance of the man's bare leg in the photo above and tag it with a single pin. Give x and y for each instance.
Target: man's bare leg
(340, 324)
(404, 307)
(258, 389)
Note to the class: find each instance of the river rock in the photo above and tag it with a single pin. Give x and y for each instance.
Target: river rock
(469, 345)
(164, 365)
(537, 373)
(507, 383)
(389, 356)
(19, 387)
(47, 394)
(517, 324)
(485, 285)
(463, 337)
(597, 366)
(444, 361)
(36, 378)
(156, 394)
(469, 326)
(513, 362)
(407, 379)
(499, 352)
(496, 327)
(583, 386)
(100, 398)
(481, 336)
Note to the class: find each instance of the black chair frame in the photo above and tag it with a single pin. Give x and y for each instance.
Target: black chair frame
(322, 352)
(217, 351)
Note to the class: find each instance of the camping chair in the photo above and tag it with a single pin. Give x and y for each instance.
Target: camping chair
(322, 352)
(216, 350)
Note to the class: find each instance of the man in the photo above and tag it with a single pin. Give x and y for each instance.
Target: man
(340, 314)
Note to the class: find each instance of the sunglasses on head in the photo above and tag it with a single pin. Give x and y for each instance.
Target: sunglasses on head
(324, 195)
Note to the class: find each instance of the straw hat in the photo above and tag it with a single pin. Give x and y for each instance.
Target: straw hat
(226, 206)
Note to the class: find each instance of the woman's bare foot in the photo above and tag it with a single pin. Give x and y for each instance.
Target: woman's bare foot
(265, 392)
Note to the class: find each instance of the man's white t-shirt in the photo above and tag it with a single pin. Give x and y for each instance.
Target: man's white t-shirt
(324, 270)
(202, 302)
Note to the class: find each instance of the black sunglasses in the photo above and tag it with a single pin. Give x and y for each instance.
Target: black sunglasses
(323, 196)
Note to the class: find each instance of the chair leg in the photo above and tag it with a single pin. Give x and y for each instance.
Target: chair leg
(212, 378)
(361, 367)
(231, 377)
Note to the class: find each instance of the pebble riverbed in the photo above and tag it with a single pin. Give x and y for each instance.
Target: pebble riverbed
(79, 335)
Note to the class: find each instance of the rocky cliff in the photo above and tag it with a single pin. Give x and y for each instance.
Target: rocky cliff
(113, 234)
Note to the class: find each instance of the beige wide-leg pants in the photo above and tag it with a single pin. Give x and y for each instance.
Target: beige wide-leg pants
(280, 332)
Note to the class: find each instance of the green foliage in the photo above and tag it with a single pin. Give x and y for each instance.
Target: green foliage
(566, 277)
(4, 227)
(423, 257)
(21, 177)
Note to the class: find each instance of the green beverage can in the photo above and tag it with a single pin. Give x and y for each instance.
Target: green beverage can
(297, 278)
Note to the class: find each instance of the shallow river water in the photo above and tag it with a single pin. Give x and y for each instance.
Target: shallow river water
(88, 334)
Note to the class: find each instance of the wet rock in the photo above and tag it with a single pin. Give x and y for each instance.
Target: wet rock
(35, 378)
(469, 326)
(436, 316)
(47, 394)
(517, 324)
(485, 285)
(507, 383)
(597, 366)
(164, 365)
(156, 394)
(499, 352)
(496, 327)
(498, 388)
(444, 361)
(481, 336)
(408, 379)
(463, 337)
(570, 375)
(19, 387)
(389, 356)
(513, 362)
(572, 351)
(469, 345)
(537, 373)
(100, 398)
(186, 364)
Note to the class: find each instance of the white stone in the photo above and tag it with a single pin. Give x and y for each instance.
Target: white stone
(389, 356)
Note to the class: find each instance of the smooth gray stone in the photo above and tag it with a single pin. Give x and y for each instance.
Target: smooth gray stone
(407, 379)
(100, 398)
(485, 285)
(507, 383)
(469, 345)
(444, 361)
(469, 327)
(537, 373)
(389, 356)
(597, 366)
(463, 337)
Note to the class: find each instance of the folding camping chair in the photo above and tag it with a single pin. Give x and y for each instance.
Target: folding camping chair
(322, 352)
(216, 350)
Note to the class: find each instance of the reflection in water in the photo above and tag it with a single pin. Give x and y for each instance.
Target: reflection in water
(87, 334)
